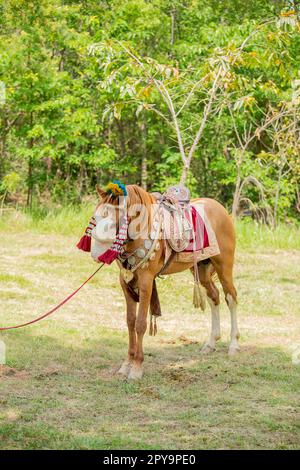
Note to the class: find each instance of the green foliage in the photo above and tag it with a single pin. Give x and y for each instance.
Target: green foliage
(10, 182)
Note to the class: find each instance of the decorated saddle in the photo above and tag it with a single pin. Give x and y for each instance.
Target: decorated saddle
(186, 228)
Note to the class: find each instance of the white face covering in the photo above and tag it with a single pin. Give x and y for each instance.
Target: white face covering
(105, 230)
(103, 234)
(98, 248)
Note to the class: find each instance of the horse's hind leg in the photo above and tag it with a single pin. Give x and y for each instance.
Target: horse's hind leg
(226, 278)
(213, 297)
(235, 334)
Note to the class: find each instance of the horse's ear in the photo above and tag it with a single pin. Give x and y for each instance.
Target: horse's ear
(101, 192)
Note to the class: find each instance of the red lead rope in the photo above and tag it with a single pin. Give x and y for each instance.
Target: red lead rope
(55, 308)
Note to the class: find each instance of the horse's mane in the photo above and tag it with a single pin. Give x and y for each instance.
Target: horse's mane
(138, 195)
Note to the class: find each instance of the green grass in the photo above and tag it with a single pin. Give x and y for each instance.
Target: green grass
(73, 220)
(64, 221)
(252, 235)
(59, 390)
(14, 279)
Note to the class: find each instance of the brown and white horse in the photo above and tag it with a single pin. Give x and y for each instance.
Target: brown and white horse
(221, 264)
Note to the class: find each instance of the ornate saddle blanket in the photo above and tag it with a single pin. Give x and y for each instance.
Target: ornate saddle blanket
(204, 244)
(199, 239)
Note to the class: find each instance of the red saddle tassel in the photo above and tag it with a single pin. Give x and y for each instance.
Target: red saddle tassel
(108, 256)
(84, 243)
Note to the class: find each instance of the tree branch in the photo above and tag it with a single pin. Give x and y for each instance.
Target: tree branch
(166, 97)
(197, 138)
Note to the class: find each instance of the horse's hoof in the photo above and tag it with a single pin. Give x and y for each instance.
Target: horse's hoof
(124, 369)
(233, 350)
(135, 373)
(207, 349)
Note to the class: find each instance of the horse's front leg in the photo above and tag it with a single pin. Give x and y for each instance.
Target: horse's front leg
(145, 284)
(131, 319)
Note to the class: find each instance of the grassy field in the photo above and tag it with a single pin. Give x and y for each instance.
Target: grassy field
(59, 388)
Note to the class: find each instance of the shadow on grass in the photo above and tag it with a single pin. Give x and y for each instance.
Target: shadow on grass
(61, 394)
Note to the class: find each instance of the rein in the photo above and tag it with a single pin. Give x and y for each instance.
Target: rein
(55, 308)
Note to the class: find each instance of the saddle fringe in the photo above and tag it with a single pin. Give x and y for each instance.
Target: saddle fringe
(152, 328)
(199, 296)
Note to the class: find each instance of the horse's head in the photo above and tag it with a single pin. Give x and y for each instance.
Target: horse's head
(114, 201)
(111, 205)
(106, 215)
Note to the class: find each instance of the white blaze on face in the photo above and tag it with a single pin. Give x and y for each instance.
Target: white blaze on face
(104, 234)
(105, 230)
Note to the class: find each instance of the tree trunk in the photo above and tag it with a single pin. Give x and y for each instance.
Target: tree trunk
(122, 137)
(80, 181)
(184, 173)
(144, 173)
(29, 183)
(297, 199)
(173, 26)
(236, 195)
(30, 169)
(3, 155)
(277, 195)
